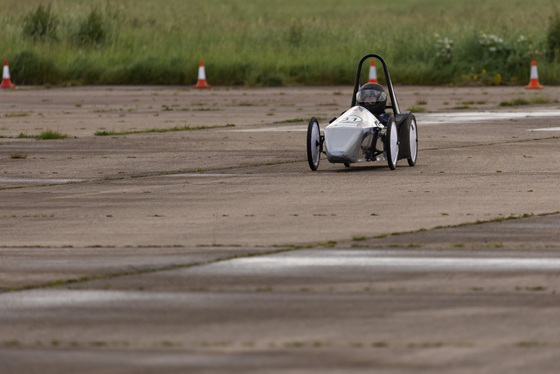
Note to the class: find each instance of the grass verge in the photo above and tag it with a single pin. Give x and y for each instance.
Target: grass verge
(278, 42)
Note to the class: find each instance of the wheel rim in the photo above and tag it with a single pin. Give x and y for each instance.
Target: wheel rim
(315, 143)
(394, 140)
(413, 141)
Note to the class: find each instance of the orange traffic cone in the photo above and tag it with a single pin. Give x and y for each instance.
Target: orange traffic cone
(201, 77)
(372, 73)
(6, 83)
(534, 83)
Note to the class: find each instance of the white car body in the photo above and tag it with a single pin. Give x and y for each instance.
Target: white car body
(350, 135)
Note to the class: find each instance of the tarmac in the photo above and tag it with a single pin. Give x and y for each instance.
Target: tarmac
(194, 238)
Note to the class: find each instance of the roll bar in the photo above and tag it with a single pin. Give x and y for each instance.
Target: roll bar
(394, 104)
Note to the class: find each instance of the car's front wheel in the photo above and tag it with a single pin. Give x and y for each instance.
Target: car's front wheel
(392, 143)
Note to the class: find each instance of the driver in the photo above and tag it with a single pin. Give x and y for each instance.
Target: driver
(372, 96)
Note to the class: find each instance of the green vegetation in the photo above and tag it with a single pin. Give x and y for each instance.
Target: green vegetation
(278, 42)
(12, 343)
(416, 109)
(176, 128)
(45, 135)
(293, 120)
(522, 101)
(40, 24)
(530, 344)
(553, 37)
(15, 115)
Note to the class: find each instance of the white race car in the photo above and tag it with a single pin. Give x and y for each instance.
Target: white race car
(366, 132)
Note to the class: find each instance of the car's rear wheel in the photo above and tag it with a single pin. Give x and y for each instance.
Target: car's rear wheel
(409, 140)
(313, 143)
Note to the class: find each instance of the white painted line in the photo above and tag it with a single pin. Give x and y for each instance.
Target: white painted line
(547, 129)
(285, 264)
(439, 119)
(273, 129)
(198, 175)
(464, 117)
(42, 181)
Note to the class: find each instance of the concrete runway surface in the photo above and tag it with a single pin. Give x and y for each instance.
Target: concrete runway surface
(217, 250)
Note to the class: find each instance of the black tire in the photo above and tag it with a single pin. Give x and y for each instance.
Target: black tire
(313, 143)
(392, 143)
(409, 140)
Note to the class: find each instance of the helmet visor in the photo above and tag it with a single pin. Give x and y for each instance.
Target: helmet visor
(370, 96)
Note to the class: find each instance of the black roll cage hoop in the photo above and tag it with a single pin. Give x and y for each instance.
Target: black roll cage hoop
(394, 104)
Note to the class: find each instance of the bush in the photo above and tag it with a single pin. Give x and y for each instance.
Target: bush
(41, 24)
(553, 38)
(91, 30)
(269, 79)
(444, 50)
(83, 71)
(148, 70)
(28, 68)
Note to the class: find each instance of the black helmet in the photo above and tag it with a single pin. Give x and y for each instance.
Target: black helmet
(372, 96)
